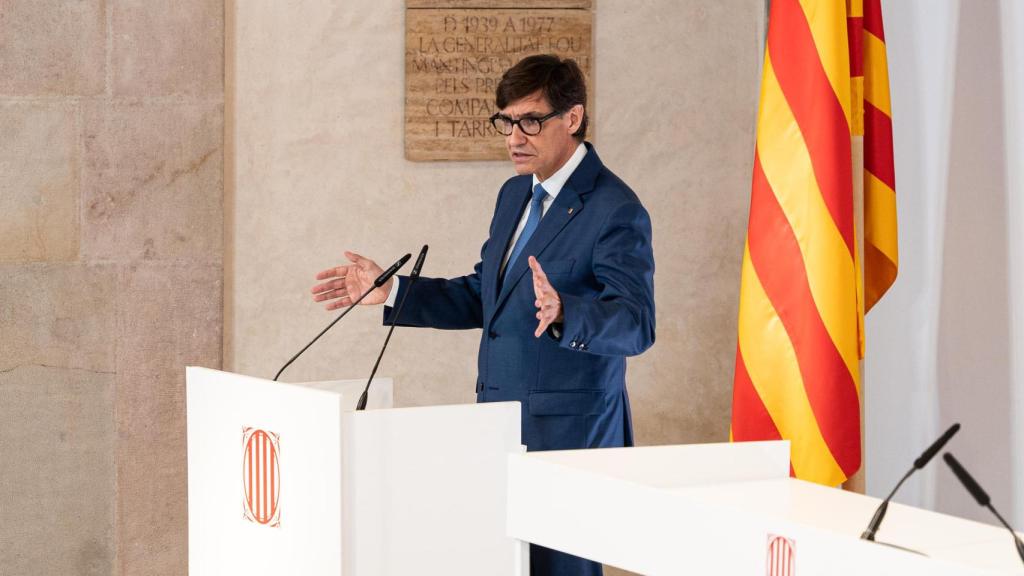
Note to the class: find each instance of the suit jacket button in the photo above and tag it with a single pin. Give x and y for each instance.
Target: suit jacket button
(492, 334)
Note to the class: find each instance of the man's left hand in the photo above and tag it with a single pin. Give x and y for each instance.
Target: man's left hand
(548, 303)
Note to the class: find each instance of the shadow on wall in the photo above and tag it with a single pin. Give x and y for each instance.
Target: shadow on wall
(974, 371)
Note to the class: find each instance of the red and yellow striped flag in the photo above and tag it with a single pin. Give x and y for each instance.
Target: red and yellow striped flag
(880, 244)
(801, 298)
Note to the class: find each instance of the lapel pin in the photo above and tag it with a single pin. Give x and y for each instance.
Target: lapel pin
(570, 210)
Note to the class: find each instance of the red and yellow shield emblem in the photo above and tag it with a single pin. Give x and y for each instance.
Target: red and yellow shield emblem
(261, 476)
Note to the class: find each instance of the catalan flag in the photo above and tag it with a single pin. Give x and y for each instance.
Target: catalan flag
(801, 296)
(881, 257)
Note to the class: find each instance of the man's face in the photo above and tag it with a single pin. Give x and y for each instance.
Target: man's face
(544, 153)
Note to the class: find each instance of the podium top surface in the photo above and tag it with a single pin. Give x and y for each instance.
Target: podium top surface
(845, 513)
(729, 494)
(381, 394)
(680, 465)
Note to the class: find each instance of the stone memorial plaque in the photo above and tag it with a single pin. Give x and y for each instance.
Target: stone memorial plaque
(455, 54)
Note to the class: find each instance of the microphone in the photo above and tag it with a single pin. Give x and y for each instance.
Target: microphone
(980, 496)
(413, 277)
(376, 284)
(387, 274)
(919, 463)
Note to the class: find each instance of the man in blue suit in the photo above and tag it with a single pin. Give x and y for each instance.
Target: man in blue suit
(564, 289)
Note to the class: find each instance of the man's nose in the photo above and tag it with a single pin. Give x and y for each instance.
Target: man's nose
(517, 136)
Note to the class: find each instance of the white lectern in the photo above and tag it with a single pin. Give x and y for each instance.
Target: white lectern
(731, 509)
(288, 479)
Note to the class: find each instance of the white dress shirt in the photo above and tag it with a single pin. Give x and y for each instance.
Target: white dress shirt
(552, 186)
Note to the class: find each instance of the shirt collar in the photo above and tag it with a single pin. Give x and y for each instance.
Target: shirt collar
(554, 184)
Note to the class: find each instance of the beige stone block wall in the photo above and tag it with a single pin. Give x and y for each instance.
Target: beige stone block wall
(41, 224)
(111, 117)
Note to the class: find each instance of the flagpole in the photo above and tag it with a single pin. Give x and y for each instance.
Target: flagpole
(858, 482)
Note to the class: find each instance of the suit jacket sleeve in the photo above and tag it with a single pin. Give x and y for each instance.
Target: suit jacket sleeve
(445, 303)
(620, 319)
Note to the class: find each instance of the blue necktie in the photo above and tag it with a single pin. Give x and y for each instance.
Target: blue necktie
(536, 211)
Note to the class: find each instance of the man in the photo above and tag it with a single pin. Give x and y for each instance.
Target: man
(555, 339)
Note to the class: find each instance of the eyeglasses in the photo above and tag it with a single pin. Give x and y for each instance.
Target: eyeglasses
(528, 124)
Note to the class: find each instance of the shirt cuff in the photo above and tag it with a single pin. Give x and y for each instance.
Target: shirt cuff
(390, 302)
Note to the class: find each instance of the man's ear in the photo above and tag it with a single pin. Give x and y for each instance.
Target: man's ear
(575, 118)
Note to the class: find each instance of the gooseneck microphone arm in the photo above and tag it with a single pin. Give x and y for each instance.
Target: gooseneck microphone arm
(921, 462)
(981, 497)
(413, 277)
(384, 277)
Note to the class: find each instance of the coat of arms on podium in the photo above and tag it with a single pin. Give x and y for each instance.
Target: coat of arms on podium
(781, 556)
(261, 477)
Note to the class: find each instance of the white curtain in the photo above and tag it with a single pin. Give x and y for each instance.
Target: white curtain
(1013, 77)
(942, 343)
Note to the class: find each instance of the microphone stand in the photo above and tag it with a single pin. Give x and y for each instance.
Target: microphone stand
(981, 497)
(361, 405)
(322, 332)
(376, 284)
(919, 463)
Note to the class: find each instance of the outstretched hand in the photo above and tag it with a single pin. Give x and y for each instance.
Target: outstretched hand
(348, 282)
(548, 303)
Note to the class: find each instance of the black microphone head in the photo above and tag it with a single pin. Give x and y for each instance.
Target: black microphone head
(387, 274)
(967, 480)
(932, 450)
(419, 263)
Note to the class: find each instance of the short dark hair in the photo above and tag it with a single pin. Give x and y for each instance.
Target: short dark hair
(560, 80)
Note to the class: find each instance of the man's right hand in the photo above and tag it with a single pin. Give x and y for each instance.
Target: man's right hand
(346, 283)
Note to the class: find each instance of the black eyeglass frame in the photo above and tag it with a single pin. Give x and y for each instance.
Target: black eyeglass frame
(513, 123)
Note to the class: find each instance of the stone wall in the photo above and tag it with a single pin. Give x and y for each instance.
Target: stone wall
(111, 170)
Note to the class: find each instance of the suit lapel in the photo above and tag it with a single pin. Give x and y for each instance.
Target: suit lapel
(504, 227)
(565, 207)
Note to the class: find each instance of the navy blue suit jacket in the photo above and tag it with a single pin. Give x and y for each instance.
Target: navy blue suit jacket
(594, 244)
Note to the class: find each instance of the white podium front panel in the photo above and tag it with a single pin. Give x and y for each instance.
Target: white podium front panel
(264, 482)
(730, 509)
(425, 491)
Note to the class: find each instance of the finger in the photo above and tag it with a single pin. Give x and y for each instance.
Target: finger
(538, 284)
(326, 286)
(339, 303)
(541, 285)
(364, 263)
(338, 271)
(537, 270)
(541, 327)
(340, 293)
(544, 318)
